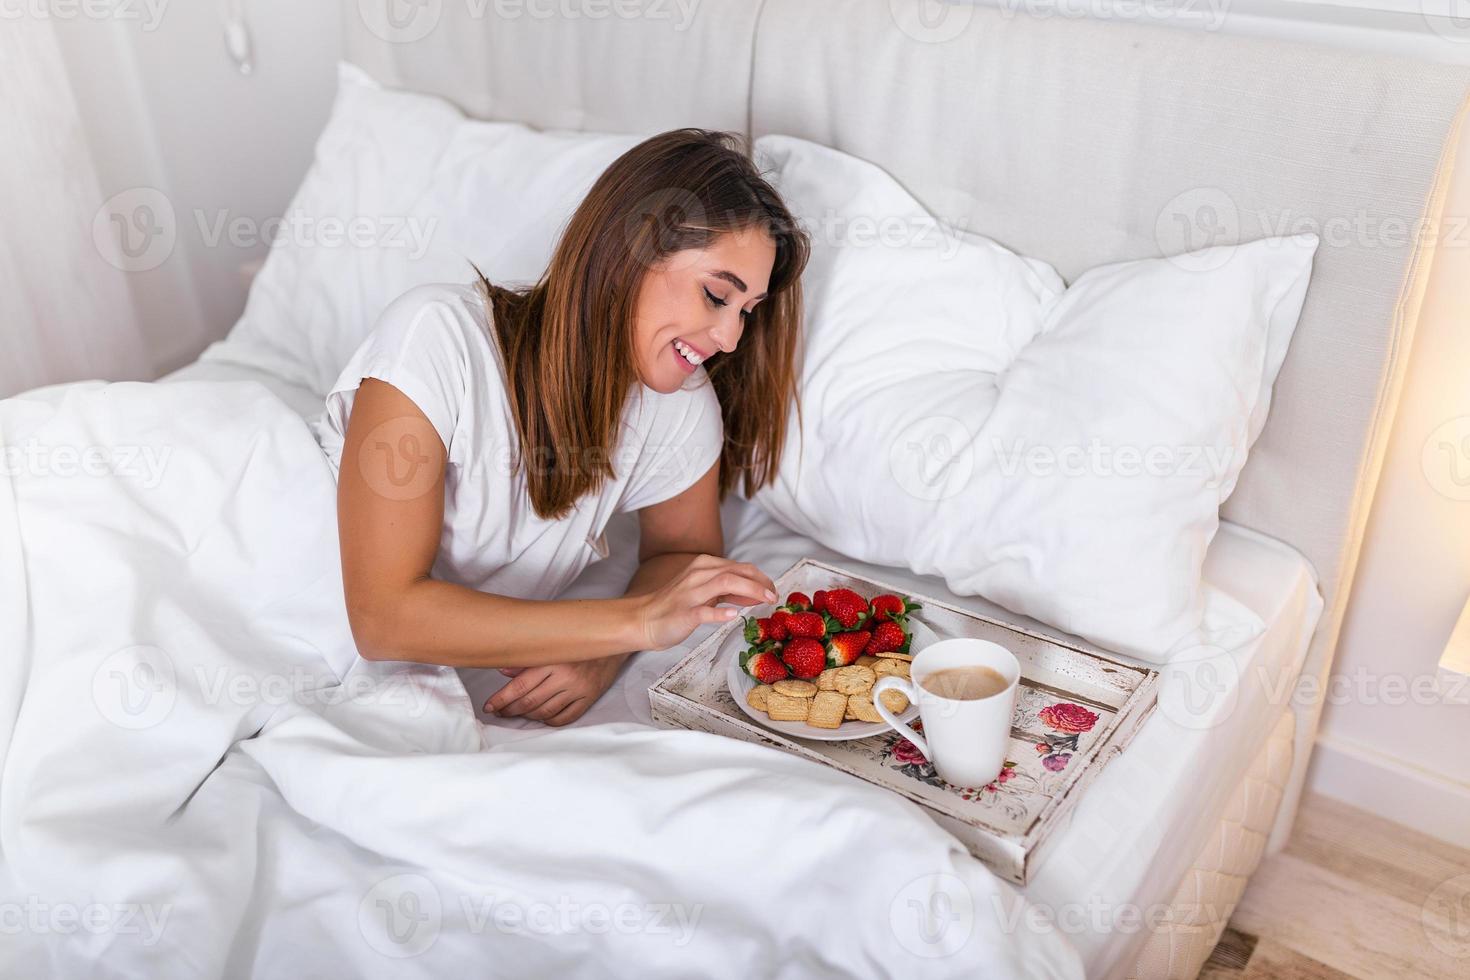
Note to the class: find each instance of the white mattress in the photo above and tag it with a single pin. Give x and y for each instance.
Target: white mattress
(1146, 817)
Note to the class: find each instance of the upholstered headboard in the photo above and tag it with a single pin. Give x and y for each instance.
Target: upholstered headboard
(1078, 142)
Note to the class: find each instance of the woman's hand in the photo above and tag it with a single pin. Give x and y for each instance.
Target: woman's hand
(667, 615)
(557, 695)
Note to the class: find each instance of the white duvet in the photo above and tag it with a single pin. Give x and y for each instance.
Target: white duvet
(201, 779)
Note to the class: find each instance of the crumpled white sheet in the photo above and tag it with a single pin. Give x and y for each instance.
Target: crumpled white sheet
(200, 778)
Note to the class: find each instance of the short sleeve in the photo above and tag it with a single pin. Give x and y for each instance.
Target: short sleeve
(684, 438)
(423, 345)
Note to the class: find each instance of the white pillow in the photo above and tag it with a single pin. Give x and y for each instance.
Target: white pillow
(404, 190)
(1063, 453)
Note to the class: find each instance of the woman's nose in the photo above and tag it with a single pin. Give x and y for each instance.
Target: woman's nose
(725, 337)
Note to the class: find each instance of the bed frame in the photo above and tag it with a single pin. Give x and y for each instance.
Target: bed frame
(1075, 141)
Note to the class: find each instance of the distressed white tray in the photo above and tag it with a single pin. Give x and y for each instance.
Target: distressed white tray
(1075, 712)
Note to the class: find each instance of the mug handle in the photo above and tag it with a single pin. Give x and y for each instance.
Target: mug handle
(894, 683)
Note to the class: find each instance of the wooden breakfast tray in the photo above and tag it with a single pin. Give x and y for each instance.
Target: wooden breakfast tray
(1075, 712)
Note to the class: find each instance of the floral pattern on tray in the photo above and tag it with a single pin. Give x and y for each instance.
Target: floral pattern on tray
(1047, 732)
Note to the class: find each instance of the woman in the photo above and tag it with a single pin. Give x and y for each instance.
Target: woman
(490, 434)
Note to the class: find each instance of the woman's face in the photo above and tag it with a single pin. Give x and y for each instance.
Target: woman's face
(692, 305)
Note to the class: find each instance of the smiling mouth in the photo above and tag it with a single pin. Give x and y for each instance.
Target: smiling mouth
(692, 356)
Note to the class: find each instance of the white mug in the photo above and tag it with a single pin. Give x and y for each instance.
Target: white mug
(965, 740)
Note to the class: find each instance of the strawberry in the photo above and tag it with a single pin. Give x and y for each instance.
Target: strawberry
(797, 602)
(819, 601)
(847, 607)
(888, 606)
(763, 665)
(888, 636)
(805, 624)
(805, 657)
(758, 631)
(845, 648)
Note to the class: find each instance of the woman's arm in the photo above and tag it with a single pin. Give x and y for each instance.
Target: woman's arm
(672, 536)
(390, 514)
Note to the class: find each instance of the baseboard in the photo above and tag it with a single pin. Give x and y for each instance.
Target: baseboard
(1390, 788)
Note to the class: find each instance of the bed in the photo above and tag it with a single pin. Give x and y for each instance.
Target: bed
(1081, 141)
(1114, 122)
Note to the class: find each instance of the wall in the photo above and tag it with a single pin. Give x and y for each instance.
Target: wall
(166, 109)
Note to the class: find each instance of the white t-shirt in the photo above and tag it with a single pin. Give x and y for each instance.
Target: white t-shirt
(434, 345)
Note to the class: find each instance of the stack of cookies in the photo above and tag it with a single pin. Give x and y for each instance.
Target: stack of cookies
(835, 695)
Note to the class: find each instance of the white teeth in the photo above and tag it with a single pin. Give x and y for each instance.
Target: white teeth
(687, 352)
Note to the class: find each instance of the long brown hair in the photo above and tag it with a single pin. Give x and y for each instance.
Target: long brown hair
(568, 340)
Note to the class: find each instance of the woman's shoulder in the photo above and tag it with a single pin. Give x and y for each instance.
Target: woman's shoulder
(444, 307)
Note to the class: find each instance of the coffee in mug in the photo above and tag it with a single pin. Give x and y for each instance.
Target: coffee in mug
(966, 683)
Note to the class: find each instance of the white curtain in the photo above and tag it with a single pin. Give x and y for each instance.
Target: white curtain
(66, 312)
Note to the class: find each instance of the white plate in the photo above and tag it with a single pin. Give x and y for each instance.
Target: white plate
(741, 684)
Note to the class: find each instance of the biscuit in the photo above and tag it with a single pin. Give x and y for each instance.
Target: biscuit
(895, 655)
(866, 661)
(854, 679)
(859, 708)
(898, 668)
(895, 701)
(828, 707)
(756, 698)
(783, 708)
(794, 688)
(827, 679)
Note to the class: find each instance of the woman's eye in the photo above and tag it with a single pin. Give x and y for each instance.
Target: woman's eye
(714, 300)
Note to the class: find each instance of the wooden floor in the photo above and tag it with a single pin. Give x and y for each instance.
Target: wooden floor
(1351, 895)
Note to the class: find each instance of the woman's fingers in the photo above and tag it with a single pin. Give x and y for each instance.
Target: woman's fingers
(551, 706)
(712, 614)
(570, 713)
(516, 697)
